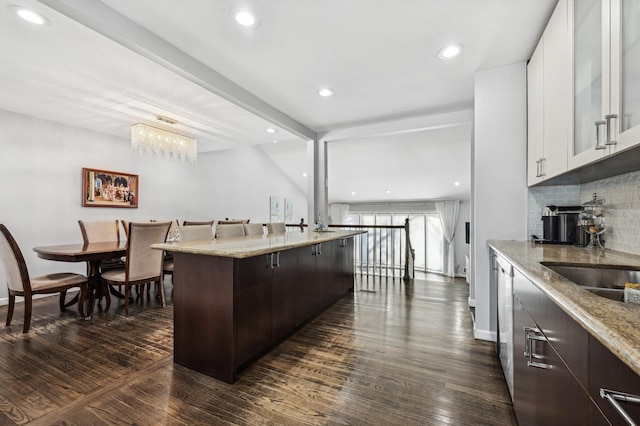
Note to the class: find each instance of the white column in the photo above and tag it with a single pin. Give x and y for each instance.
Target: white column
(499, 178)
(317, 181)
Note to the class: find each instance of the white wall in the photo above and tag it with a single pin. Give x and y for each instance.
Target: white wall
(499, 178)
(41, 177)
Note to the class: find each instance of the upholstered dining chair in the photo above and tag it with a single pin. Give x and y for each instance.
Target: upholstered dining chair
(229, 231)
(253, 229)
(276, 228)
(100, 231)
(20, 284)
(143, 263)
(189, 233)
(195, 222)
(232, 221)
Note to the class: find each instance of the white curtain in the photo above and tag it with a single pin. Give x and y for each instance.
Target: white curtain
(448, 212)
(338, 213)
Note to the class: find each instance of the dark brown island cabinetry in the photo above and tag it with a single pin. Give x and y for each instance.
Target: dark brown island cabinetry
(228, 311)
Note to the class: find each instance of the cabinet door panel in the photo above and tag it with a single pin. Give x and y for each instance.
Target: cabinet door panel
(535, 138)
(588, 21)
(608, 372)
(308, 288)
(561, 398)
(285, 294)
(524, 377)
(556, 98)
(625, 71)
(252, 308)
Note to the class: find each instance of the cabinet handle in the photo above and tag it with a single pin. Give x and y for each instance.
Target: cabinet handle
(599, 144)
(319, 248)
(614, 396)
(343, 242)
(608, 119)
(540, 169)
(269, 260)
(532, 335)
(277, 257)
(314, 250)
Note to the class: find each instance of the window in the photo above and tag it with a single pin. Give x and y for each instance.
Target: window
(382, 249)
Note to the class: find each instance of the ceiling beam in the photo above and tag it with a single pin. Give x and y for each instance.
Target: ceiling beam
(98, 17)
(396, 127)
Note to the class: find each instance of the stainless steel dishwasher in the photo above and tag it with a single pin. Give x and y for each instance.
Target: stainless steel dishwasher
(504, 272)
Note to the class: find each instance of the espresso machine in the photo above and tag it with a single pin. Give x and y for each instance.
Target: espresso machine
(560, 225)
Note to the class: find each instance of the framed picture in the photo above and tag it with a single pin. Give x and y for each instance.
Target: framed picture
(104, 188)
(288, 210)
(274, 209)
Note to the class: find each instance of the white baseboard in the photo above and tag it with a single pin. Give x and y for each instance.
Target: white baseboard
(485, 335)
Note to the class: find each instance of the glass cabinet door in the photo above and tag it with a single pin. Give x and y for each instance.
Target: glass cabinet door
(625, 70)
(590, 77)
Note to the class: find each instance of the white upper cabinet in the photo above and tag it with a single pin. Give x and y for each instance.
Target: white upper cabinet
(605, 35)
(549, 100)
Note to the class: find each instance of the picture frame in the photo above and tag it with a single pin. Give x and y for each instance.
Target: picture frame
(105, 188)
(275, 214)
(288, 210)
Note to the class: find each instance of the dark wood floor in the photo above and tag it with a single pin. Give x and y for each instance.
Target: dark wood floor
(389, 354)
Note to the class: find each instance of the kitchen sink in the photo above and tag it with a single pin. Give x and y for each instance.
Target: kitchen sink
(605, 282)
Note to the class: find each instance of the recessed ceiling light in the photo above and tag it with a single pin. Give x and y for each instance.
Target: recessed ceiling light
(244, 18)
(449, 52)
(456, 183)
(271, 130)
(275, 141)
(388, 191)
(304, 174)
(326, 92)
(30, 16)
(353, 192)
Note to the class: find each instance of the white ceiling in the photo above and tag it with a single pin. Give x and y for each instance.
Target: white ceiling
(107, 65)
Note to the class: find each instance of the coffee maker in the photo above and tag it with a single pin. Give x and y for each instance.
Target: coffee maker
(560, 225)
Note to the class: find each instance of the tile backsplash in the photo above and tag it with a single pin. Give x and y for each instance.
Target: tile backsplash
(621, 202)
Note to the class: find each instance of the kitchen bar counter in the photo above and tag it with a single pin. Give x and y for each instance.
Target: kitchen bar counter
(615, 324)
(242, 247)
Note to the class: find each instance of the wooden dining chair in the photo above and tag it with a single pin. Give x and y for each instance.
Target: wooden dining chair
(20, 284)
(276, 228)
(143, 264)
(253, 229)
(229, 231)
(189, 233)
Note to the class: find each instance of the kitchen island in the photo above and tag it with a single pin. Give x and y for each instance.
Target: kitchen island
(234, 299)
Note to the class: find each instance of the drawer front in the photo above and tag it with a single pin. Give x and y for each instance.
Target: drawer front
(566, 336)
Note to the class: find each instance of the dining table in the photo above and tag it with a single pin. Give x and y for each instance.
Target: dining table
(93, 254)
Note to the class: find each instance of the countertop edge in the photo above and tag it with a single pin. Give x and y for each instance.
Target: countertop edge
(243, 247)
(610, 322)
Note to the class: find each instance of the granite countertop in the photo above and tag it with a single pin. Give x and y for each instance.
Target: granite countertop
(615, 324)
(255, 245)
